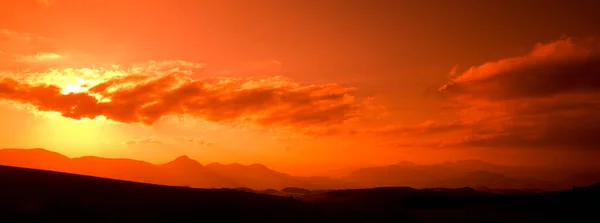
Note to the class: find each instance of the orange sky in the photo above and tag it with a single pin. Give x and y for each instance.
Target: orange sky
(303, 86)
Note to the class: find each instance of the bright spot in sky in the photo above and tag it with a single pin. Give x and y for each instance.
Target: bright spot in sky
(73, 88)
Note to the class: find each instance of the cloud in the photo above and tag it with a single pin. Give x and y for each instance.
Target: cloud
(49, 98)
(549, 97)
(173, 140)
(144, 141)
(568, 121)
(566, 65)
(453, 71)
(46, 56)
(191, 140)
(426, 128)
(19, 50)
(331, 131)
(39, 58)
(137, 98)
(166, 66)
(34, 74)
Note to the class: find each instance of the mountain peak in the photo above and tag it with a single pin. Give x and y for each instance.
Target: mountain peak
(257, 166)
(183, 157)
(184, 161)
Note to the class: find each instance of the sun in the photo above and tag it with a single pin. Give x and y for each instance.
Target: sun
(73, 88)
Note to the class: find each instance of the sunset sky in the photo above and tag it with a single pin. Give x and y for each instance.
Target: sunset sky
(304, 87)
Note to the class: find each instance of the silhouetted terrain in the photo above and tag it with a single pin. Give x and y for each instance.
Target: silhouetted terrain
(28, 194)
(61, 196)
(184, 171)
(466, 204)
(473, 173)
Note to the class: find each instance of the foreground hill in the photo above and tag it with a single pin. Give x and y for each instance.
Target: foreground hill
(28, 195)
(465, 205)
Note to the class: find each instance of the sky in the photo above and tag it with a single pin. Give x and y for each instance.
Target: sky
(304, 87)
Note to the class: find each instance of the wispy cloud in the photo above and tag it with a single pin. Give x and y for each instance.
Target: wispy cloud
(46, 56)
(144, 141)
(24, 50)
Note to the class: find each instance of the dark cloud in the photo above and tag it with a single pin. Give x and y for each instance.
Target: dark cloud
(547, 98)
(563, 66)
(49, 98)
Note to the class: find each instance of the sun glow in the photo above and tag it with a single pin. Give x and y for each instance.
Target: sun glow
(69, 81)
(73, 88)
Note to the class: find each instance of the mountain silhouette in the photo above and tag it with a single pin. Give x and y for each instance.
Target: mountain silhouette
(184, 162)
(34, 158)
(259, 177)
(186, 171)
(473, 173)
(122, 169)
(182, 171)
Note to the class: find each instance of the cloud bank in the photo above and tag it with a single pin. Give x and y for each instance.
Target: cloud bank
(138, 98)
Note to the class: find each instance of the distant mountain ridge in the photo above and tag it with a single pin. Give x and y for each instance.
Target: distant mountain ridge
(184, 171)
(473, 173)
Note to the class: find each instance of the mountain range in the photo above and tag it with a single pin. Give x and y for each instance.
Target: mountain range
(184, 171)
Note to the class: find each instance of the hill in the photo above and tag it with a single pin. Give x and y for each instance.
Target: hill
(395, 204)
(30, 195)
